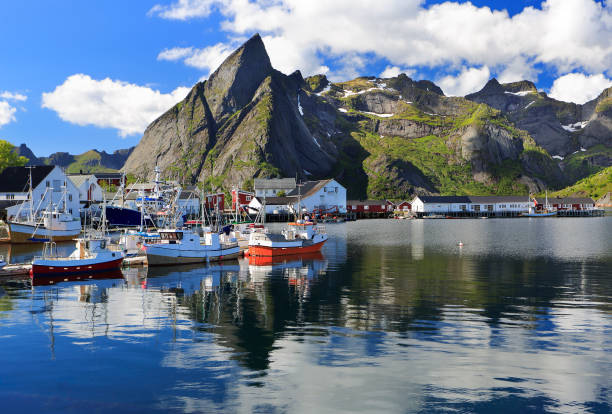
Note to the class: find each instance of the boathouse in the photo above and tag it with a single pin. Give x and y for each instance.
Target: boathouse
(243, 197)
(566, 203)
(214, 201)
(272, 187)
(470, 205)
(48, 184)
(403, 206)
(370, 206)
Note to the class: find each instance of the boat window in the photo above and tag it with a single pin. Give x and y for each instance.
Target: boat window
(171, 236)
(103, 244)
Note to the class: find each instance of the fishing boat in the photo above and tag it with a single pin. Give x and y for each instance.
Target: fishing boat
(181, 246)
(91, 256)
(547, 211)
(51, 224)
(299, 237)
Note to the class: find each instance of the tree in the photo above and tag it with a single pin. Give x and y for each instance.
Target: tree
(8, 156)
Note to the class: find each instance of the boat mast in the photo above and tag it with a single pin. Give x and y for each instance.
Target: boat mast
(31, 196)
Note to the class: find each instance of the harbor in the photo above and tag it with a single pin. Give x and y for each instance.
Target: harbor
(405, 298)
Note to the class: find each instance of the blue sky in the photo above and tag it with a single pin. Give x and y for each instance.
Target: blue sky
(77, 75)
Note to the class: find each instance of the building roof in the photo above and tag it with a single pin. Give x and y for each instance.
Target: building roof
(565, 200)
(273, 183)
(108, 175)
(17, 179)
(78, 179)
(309, 188)
(475, 199)
(277, 201)
(365, 202)
(499, 199)
(186, 194)
(445, 199)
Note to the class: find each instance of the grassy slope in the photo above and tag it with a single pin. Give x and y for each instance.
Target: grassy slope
(594, 186)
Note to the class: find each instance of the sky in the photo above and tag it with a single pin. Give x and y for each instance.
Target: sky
(80, 75)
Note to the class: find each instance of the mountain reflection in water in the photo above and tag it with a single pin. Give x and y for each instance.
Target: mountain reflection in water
(391, 317)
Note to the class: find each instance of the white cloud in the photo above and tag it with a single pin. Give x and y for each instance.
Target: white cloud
(175, 53)
(565, 34)
(109, 103)
(467, 81)
(184, 9)
(578, 87)
(13, 96)
(393, 71)
(7, 113)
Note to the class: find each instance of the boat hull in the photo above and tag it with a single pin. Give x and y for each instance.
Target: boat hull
(159, 256)
(24, 233)
(284, 251)
(46, 267)
(553, 214)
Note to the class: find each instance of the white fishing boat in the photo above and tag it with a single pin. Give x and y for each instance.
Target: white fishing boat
(179, 246)
(50, 224)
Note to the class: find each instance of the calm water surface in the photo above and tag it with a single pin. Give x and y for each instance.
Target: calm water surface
(393, 316)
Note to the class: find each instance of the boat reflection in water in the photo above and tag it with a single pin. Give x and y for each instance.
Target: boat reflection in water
(54, 279)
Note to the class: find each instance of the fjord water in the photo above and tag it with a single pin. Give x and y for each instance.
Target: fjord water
(393, 316)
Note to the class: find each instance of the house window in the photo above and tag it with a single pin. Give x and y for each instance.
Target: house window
(248, 198)
(70, 210)
(10, 196)
(462, 207)
(48, 183)
(366, 207)
(69, 197)
(354, 207)
(490, 207)
(476, 207)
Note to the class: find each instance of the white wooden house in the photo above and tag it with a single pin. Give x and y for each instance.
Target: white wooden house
(48, 184)
(89, 189)
(321, 197)
(271, 187)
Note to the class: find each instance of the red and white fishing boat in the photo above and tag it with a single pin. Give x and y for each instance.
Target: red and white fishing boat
(91, 256)
(299, 237)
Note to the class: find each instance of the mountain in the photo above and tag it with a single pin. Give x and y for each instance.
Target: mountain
(24, 151)
(391, 137)
(90, 161)
(559, 127)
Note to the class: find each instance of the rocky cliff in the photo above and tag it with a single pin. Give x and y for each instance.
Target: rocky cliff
(389, 137)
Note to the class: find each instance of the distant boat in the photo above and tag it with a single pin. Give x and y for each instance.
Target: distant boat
(545, 212)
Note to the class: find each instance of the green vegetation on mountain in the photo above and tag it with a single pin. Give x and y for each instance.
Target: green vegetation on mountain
(594, 186)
